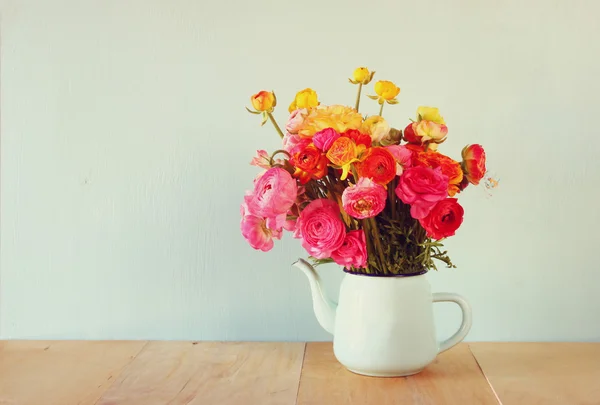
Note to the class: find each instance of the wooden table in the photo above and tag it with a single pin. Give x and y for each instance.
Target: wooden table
(193, 373)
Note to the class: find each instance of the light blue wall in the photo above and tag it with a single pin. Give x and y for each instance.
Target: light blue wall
(125, 147)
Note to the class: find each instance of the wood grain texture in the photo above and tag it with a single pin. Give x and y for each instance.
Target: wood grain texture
(60, 372)
(454, 378)
(542, 373)
(210, 373)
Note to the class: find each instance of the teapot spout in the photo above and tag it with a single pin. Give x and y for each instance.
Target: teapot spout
(324, 308)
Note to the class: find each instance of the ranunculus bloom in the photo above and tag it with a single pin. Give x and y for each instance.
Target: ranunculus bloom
(339, 117)
(295, 121)
(358, 137)
(310, 163)
(361, 75)
(409, 134)
(403, 157)
(422, 187)
(273, 195)
(343, 153)
(386, 90)
(321, 228)
(430, 114)
(474, 163)
(325, 138)
(450, 168)
(444, 219)
(254, 230)
(393, 137)
(376, 127)
(290, 141)
(378, 164)
(431, 131)
(306, 98)
(263, 101)
(353, 252)
(365, 199)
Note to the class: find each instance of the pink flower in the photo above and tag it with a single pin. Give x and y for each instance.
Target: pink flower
(255, 231)
(296, 120)
(403, 157)
(366, 199)
(353, 252)
(422, 187)
(325, 138)
(291, 141)
(321, 228)
(262, 159)
(273, 195)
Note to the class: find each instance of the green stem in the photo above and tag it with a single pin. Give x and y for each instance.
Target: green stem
(358, 96)
(392, 197)
(381, 109)
(378, 247)
(275, 124)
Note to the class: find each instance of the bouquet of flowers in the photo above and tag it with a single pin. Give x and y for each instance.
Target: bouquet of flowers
(372, 198)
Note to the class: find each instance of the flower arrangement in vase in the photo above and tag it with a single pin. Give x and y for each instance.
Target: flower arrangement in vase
(372, 198)
(377, 201)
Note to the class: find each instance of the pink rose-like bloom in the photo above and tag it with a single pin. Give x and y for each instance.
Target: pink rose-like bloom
(296, 120)
(321, 228)
(353, 252)
(365, 199)
(422, 187)
(325, 138)
(291, 141)
(273, 195)
(255, 231)
(403, 157)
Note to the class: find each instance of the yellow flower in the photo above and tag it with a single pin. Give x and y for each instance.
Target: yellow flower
(263, 101)
(375, 126)
(306, 98)
(361, 75)
(430, 114)
(386, 91)
(343, 153)
(338, 117)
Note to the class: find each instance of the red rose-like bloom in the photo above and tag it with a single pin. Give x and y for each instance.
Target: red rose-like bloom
(444, 219)
(358, 137)
(409, 134)
(474, 163)
(378, 164)
(309, 161)
(422, 187)
(321, 228)
(353, 252)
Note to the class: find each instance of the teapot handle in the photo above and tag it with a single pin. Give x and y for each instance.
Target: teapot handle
(467, 319)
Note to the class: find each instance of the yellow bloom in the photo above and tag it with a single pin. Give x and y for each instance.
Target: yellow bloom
(430, 114)
(263, 101)
(306, 98)
(375, 126)
(386, 92)
(361, 75)
(338, 117)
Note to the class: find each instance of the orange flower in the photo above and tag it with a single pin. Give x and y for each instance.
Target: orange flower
(263, 101)
(450, 168)
(377, 164)
(309, 162)
(343, 153)
(474, 163)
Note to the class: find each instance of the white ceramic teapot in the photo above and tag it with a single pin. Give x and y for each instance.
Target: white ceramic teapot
(383, 326)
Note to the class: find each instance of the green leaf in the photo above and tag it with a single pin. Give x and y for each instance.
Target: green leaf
(252, 112)
(373, 97)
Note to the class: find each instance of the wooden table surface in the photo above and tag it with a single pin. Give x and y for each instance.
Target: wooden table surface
(193, 373)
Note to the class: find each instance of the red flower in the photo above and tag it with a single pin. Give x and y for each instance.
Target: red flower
(444, 219)
(473, 163)
(409, 134)
(358, 137)
(309, 161)
(378, 164)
